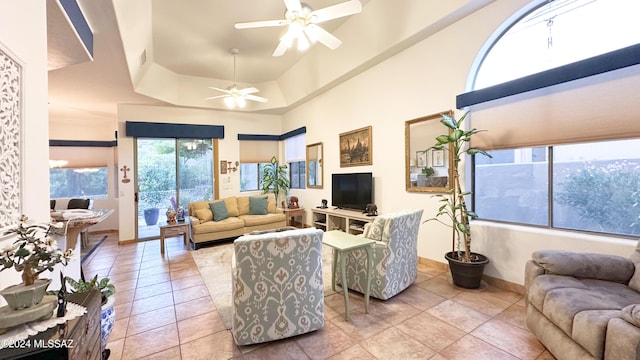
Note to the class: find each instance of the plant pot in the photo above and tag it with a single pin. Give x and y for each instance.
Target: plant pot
(22, 296)
(107, 320)
(151, 216)
(467, 275)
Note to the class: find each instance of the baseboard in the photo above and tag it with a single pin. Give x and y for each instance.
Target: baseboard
(499, 283)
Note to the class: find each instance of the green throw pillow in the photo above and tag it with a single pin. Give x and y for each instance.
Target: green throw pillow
(219, 210)
(258, 205)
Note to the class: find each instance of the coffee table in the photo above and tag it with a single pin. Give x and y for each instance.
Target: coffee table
(342, 243)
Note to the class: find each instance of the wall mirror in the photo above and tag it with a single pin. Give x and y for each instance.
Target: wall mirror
(427, 170)
(314, 166)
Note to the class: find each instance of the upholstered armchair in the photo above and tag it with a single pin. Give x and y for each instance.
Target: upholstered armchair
(277, 283)
(395, 255)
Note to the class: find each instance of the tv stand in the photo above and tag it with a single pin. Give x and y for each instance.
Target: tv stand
(351, 221)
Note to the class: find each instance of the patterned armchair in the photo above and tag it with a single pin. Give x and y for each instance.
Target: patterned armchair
(395, 255)
(278, 289)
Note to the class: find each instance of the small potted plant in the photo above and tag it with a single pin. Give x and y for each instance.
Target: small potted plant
(428, 171)
(107, 311)
(33, 253)
(466, 267)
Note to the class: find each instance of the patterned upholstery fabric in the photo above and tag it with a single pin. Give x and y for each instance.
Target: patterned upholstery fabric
(278, 289)
(395, 256)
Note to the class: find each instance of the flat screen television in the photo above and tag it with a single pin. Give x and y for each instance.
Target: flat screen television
(352, 191)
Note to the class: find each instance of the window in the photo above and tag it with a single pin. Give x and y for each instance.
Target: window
(85, 183)
(560, 162)
(594, 187)
(250, 176)
(558, 33)
(295, 152)
(297, 175)
(253, 156)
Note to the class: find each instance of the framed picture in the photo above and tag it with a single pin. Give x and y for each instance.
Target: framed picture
(356, 147)
(223, 167)
(421, 158)
(437, 158)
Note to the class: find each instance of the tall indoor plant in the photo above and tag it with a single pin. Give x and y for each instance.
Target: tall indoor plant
(275, 179)
(466, 266)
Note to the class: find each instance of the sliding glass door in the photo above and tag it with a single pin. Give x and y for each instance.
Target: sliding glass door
(170, 173)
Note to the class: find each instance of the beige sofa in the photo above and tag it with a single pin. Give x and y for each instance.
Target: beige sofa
(238, 222)
(585, 306)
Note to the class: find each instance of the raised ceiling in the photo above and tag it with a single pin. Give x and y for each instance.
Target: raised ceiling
(169, 52)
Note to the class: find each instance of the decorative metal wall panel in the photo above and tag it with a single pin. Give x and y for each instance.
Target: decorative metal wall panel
(10, 137)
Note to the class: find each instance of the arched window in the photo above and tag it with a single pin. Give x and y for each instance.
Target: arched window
(557, 33)
(566, 153)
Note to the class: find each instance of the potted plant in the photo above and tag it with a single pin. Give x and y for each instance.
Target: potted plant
(33, 253)
(153, 199)
(107, 311)
(275, 179)
(428, 171)
(466, 266)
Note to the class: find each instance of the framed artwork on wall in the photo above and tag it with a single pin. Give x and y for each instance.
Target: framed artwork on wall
(223, 167)
(437, 158)
(356, 147)
(421, 158)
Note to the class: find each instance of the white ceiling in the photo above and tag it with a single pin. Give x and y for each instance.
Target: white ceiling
(191, 39)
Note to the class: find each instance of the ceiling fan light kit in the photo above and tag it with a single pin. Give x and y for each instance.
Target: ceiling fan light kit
(233, 95)
(302, 22)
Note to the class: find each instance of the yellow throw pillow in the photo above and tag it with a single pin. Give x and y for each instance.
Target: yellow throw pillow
(204, 214)
(232, 206)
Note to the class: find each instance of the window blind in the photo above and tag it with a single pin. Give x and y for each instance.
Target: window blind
(252, 151)
(598, 107)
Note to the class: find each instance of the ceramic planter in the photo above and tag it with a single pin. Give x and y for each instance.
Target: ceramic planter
(467, 275)
(107, 320)
(22, 296)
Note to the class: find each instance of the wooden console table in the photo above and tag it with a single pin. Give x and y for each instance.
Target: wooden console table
(78, 338)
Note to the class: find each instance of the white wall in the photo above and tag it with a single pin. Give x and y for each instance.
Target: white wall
(424, 80)
(228, 148)
(23, 33)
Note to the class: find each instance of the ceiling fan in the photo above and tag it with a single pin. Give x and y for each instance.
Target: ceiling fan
(302, 21)
(235, 96)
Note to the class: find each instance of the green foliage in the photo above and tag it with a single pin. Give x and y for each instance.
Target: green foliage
(34, 252)
(605, 195)
(275, 178)
(157, 171)
(79, 286)
(453, 206)
(429, 171)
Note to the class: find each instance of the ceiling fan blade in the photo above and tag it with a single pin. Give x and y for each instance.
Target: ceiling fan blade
(256, 98)
(223, 90)
(316, 33)
(250, 90)
(293, 5)
(281, 49)
(217, 97)
(336, 11)
(257, 24)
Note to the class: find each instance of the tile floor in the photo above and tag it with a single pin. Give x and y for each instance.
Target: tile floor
(164, 311)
